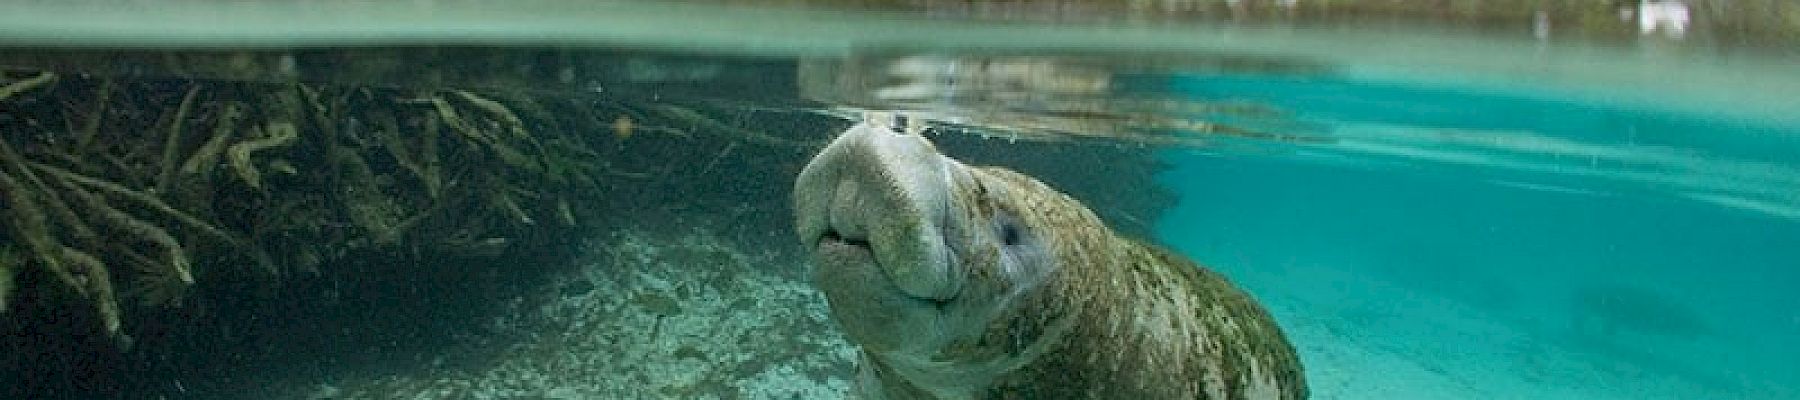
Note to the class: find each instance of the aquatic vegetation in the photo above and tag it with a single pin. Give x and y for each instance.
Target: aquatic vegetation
(250, 180)
(10, 262)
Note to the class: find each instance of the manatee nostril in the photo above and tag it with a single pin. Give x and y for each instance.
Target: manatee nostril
(901, 123)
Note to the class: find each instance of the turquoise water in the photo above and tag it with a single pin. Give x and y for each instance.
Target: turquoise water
(1431, 212)
(1504, 208)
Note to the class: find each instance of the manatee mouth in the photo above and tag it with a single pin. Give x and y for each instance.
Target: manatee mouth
(833, 242)
(848, 252)
(834, 238)
(845, 254)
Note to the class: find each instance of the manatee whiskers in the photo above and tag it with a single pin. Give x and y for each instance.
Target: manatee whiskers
(963, 282)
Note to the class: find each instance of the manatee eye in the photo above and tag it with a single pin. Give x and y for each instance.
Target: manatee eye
(1009, 234)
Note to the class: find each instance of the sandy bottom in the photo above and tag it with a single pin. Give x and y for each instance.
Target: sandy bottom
(1364, 338)
(694, 317)
(646, 317)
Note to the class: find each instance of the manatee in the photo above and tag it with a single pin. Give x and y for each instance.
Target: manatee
(967, 282)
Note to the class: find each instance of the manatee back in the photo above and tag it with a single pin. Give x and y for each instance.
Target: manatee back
(1162, 326)
(1253, 352)
(1150, 323)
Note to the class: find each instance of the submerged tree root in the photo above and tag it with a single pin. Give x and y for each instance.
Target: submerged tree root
(278, 134)
(11, 89)
(154, 215)
(251, 184)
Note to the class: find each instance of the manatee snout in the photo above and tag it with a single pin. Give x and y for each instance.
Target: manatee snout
(873, 207)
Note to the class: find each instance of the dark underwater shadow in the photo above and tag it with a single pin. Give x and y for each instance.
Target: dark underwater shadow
(227, 342)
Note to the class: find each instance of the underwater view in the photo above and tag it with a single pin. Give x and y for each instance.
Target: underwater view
(900, 199)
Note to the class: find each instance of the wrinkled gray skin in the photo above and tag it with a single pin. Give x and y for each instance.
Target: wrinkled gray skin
(963, 282)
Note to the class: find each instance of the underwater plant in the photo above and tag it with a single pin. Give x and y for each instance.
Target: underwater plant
(239, 180)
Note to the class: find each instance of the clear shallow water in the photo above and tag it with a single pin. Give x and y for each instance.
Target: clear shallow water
(1442, 206)
(1432, 212)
